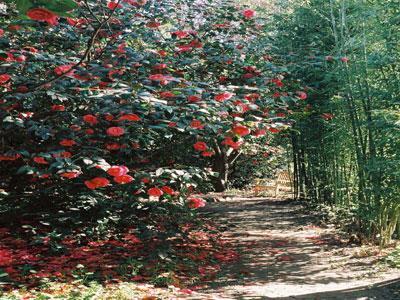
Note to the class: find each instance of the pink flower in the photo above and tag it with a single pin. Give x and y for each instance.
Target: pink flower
(196, 203)
(168, 190)
(207, 153)
(58, 107)
(231, 143)
(223, 96)
(180, 34)
(67, 143)
(91, 119)
(4, 78)
(42, 14)
(97, 182)
(302, 95)
(129, 117)
(241, 130)
(193, 98)
(196, 124)
(123, 179)
(113, 5)
(115, 131)
(64, 69)
(70, 175)
(200, 146)
(117, 171)
(40, 160)
(155, 192)
(249, 13)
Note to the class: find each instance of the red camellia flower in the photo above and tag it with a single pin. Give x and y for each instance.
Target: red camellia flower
(167, 94)
(91, 119)
(163, 79)
(155, 192)
(113, 146)
(281, 115)
(172, 124)
(277, 82)
(196, 124)
(129, 117)
(180, 34)
(1, 32)
(168, 190)
(193, 98)
(223, 96)
(109, 117)
(58, 107)
(97, 182)
(67, 143)
(162, 53)
(20, 58)
(273, 129)
(196, 203)
(248, 13)
(64, 69)
(345, 59)
(123, 179)
(113, 5)
(117, 171)
(241, 130)
(70, 175)
(302, 95)
(260, 132)
(115, 131)
(42, 14)
(200, 146)
(4, 78)
(207, 153)
(231, 143)
(40, 160)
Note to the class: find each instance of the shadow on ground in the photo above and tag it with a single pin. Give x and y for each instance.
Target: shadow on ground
(285, 256)
(389, 290)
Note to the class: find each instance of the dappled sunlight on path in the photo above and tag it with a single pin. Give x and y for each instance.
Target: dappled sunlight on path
(283, 254)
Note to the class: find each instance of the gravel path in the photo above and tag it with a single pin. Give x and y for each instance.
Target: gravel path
(285, 256)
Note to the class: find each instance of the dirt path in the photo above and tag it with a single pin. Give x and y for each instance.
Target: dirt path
(285, 256)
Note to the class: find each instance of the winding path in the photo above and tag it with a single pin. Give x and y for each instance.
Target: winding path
(285, 256)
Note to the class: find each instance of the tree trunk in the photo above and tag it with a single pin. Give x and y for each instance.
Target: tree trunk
(222, 167)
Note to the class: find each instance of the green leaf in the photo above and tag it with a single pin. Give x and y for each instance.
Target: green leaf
(23, 6)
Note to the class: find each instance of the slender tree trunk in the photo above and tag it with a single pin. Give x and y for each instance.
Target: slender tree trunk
(222, 167)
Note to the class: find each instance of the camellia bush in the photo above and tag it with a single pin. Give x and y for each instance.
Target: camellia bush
(115, 113)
